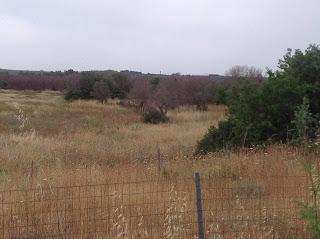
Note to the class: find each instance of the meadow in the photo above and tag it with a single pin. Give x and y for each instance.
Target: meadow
(43, 130)
(47, 143)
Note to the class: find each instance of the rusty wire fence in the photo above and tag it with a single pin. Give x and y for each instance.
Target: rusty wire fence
(231, 208)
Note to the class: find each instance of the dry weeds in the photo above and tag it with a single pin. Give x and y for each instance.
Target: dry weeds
(47, 143)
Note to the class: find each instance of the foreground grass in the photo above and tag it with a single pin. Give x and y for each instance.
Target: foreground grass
(46, 142)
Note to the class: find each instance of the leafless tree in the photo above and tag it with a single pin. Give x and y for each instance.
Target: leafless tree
(140, 94)
(243, 71)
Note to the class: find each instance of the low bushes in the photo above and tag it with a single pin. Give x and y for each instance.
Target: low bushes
(154, 116)
(217, 138)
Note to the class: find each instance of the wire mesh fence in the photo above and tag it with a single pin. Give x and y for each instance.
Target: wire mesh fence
(232, 208)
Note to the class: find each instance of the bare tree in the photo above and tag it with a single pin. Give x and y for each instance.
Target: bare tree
(197, 92)
(140, 94)
(167, 95)
(243, 71)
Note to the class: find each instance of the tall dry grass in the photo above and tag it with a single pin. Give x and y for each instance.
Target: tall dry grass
(45, 132)
(48, 144)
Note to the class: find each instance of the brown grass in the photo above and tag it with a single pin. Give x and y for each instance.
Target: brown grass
(59, 134)
(47, 143)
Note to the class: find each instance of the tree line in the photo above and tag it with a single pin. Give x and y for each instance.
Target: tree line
(152, 95)
(57, 81)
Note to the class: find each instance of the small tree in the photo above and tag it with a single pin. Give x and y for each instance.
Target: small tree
(140, 94)
(101, 91)
(167, 95)
(303, 122)
(196, 91)
(87, 82)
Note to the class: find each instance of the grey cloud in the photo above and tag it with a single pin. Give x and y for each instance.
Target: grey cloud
(188, 36)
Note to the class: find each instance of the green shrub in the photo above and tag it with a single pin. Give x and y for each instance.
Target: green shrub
(267, 112)
(217, 138)
(304, 123)
(154, 116)
(72, 95)
(101, 91)
(221, 95)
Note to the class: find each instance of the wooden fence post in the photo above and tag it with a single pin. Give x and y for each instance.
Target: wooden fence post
(201, 230)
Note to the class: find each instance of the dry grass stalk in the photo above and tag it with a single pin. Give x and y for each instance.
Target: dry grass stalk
(86, 143)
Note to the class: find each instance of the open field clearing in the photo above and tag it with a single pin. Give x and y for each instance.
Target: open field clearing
(42, 130)
(90, 170)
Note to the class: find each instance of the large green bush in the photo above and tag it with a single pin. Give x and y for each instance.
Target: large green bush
(265, 112)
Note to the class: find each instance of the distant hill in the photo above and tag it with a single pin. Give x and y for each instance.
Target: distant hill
(133, 74)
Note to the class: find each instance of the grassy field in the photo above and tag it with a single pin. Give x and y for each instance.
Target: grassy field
(46, 142)
(43, 131)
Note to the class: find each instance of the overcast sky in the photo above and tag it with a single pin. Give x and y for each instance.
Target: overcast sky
(187, 36)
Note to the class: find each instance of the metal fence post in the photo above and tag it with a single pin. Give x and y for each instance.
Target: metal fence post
(199, 206)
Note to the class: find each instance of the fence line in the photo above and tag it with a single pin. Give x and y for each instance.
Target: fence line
(230, 208)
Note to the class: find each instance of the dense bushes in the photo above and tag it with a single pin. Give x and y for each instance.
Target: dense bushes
(101, 90)
(217, 138)
(99, 86)
(154, 116)
(73, 95)
(267, 111)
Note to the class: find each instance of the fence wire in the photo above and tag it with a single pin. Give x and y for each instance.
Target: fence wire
(232, 208)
